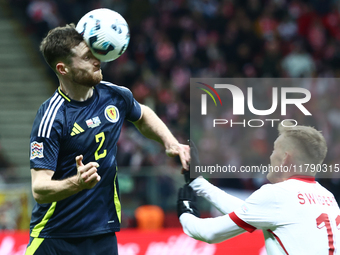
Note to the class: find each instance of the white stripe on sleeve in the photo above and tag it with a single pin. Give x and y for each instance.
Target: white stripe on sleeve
(53, 117)
(49, 116)
(46, 112)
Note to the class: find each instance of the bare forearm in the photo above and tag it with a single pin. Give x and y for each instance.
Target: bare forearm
(152, 127)
(49, 191)
(46, 190)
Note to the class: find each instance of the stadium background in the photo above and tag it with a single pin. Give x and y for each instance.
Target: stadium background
(171, 41)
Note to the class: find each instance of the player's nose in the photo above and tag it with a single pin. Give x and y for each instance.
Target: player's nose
(96, 61)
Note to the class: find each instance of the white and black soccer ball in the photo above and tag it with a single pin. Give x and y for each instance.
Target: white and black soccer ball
(106, 32)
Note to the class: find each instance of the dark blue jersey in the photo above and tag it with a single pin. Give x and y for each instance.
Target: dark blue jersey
(63, 129)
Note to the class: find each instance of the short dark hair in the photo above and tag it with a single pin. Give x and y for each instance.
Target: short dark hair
(57, 45)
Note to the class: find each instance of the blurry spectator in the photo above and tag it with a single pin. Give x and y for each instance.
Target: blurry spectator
(298, 63)
(7, 221)
(187, 48)
(72, 10)
(287, 29)
(267, 24)
(306, 18)
(254, 9)
(331, 22)
(208, 8)
(165, 50)
(334, 60)
(44, 15)
(7, 169)
(316, 36)
(271, 59)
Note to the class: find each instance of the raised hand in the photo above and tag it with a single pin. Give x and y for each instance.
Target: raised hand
(194, 161)
(181, 150)
(186, 202)
(87, 174)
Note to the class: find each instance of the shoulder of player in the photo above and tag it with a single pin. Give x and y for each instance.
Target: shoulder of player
(116, 91)
(49, 114)
(280, 189)
(323, 189)
(269, 186)
(52, 105)
(113, 87)
(280, 186)
(267, 192)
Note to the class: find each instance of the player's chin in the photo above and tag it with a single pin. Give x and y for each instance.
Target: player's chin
(98, 76)
(92, 82)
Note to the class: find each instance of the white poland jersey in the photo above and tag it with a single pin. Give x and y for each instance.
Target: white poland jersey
(297, 216)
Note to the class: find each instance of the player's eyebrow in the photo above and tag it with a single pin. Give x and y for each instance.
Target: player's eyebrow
(85, 53)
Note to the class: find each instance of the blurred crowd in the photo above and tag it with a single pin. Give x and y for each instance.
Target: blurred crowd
(172, 41)
(7, 168)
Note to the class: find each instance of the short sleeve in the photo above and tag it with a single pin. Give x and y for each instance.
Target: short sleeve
(135, 111)
(260, 210)
(44, 149)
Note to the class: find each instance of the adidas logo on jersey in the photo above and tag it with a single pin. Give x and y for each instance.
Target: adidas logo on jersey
(76, 129)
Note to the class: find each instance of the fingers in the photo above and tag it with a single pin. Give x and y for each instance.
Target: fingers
(87, 174)
(79, 160)
(181, 150)
(88, 166)
(184, 160)
(90, 174)
(184, 156)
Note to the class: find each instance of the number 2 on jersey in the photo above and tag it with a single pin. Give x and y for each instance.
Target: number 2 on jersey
(323, 221)
(100, 138)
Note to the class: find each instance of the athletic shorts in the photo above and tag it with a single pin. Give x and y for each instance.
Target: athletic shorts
(105, 244)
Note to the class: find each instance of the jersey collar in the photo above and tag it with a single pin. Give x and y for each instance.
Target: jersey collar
(74, 102)
(304, 178)
(63, 94)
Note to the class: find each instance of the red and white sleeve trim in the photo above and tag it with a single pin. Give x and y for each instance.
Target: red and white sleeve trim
(279, 240)
(241, 223)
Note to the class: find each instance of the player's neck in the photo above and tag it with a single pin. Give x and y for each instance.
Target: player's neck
(77, 92)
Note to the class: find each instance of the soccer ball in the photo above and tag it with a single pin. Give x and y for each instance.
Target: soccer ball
(105, 32)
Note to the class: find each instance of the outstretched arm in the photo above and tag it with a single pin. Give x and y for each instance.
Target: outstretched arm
(152, 127)
(209, 230)
(224, 202)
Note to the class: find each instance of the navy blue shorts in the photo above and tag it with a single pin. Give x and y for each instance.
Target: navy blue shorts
(91, 245)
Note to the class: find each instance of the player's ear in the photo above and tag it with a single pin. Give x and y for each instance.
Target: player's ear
(61, 68)
(287, 159)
